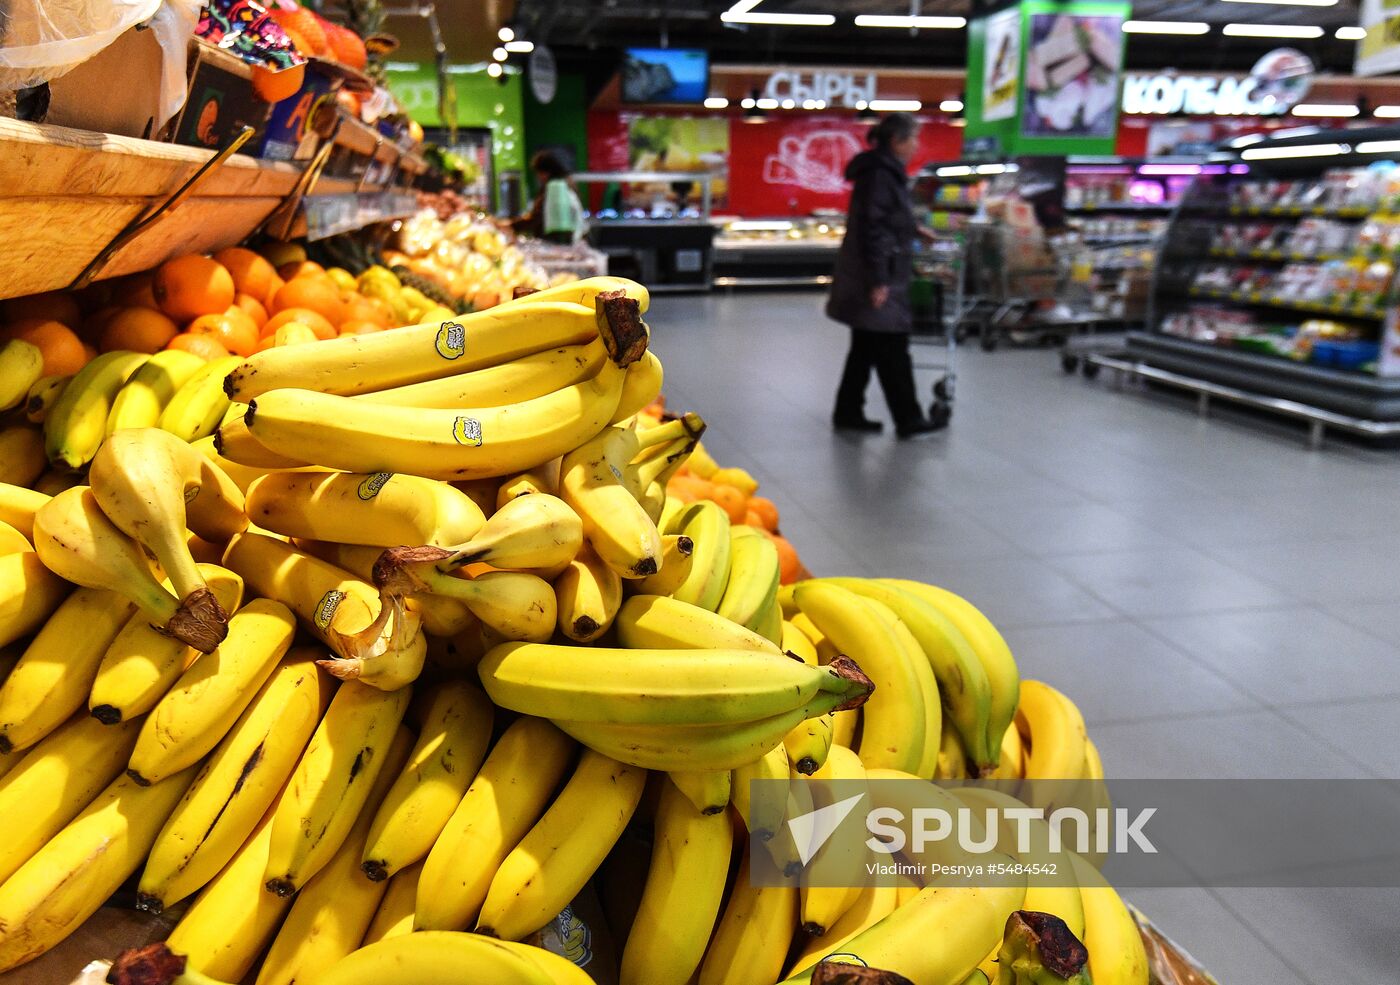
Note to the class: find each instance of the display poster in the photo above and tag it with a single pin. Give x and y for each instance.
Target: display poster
(650, 142)
(1378, 53)
(1001, 67)
(1073, 67)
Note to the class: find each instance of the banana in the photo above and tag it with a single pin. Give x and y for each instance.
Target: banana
(21, 366)
(373, 643)
(42, 396)
(809, 744)
(754, 934)
(928, 684)
(683, 894)
(560, 968)
(76, 541)
(1000, 666)
(77, 422)
(208, 698)
(844, 726)
(18, 506)
(232, 440)
(657, 687)
(952, 757)
(588, 594)
(962, 679)
(525, 378)
(441, 616)
(12, 541)
(148, 482)
(515, 604)
(73, 874)
(564, 848)
(591, 481)
(142, 663)
(236, 785)
(532, 531)
(830, 885)
(655, 622)
(332, 782)
(505, 799)
(54, 781)
(707, 790)
(752, 589)
(586, 292)
(22, 458)
(1012, 764)
(139, 403)
(395, 914)
(642, 386)
(541, 479)
(243, 476)
(874, 903)
(771, 767)
(782, 848)
(1055, 730)
(330, 915)
(675, 567)
(448, 754)
(826, 650)
(895, 719)
(702, 463)
(444, 958)
(199, 406)
(965, 921)
(795, 642)
(707, 525)
(231, 922)
(418, 353)
(1116, 952)
(382, 509)
(770, 623)
(29, 593)
(56, 670)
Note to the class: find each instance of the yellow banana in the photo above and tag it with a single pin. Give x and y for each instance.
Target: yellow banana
(796, 642)
(809, 744)
(587, 595)
(564, 848)
(642, 386)
(515, 604)
(505, 799)
(29, 593)
(233, 441)
(1116, 952)
(541, 479)
(382, 509)
(914, 658)
(952, 757)
(332, 782)
(142, 663)
(77, 422)
(707, 790)
(42, 396)
(53, 676)
(752, 589)
(1055, 730)
(236, 785)
(830, 885)
(200, 405)
(395, 914)
(656, 622)
(782, 848)
(440, 616)
(591, 482)
(707, 525)
(22, 458)
(73, 874)
(754, 934)
(525, 378)
(702, 463)
(243, 476)
(139, 403)
(586, 291)
(532, 531)
(874, 903)
(450, 749)
(1012, 764)
(844, 726)
(18, 506)
(683, 894)
(54, 780)
(443, 958)
(415, 354)
(676, 553)
(330, 915)
(21, 366)
(772, 767)
(12, 541)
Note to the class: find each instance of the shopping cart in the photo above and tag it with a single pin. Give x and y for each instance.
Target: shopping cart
(938, 300)
(1012, 276)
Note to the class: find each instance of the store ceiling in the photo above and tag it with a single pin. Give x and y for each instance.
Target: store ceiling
(579, 29)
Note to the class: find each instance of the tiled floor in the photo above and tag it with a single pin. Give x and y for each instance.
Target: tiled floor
(1221, 601)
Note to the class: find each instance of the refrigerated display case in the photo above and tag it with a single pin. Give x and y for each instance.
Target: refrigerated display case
(647, 233)
(777, 252)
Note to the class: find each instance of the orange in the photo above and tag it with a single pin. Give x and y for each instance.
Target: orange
(139, 330)
(731, 500)
(272, 290)
(136, 289)
(319, 294)
(233, 329)
(64, 353)
(206, 347)
(252, 307)
(251, 273)
(789, 564)
(190, 286)
(323, 328)
(767, 512)
(359, 327)
(49, 306)
(300, 268)
(359, 308)
(691, 485)
(386, 313)
(94, 323)
(293, 333)
(273, 87)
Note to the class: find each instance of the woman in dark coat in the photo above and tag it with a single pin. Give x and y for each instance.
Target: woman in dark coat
(870, 289)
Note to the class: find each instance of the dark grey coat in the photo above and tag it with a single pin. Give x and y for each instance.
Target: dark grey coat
(880, 231)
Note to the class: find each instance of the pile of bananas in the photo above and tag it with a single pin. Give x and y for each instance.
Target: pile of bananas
(372, 683)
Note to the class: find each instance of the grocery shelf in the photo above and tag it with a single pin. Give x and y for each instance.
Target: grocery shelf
(330, 215)
(1143, 207)
(1291, 255)
(1260, 299)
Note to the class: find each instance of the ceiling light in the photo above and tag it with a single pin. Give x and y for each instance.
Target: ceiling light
(1325, 109)
(1300, 150)
(809, 104)
(1378, 147)
(1390, 112)
(1293, 3)
(494, 70)
(957, 171)
(766, 103)
(896, 105)
(1350, 33)
(520, 47)
(754, 108)
(1271, 31)
(788, 104)
(500, 54)
(904, 20)
(994, 168)
(1165, 27)
(747, 102)
(784, 20)
(821, 104)
(506, 34)
(716, 102)
(951, 106)
(1247, 139)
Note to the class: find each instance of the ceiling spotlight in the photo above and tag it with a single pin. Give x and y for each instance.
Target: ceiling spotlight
(506, 34)
(500, 54)
(494, 70)
(753, 112)
(716, 102)
(951, 106)
(789, 104)
(520, 47)
(747, 102)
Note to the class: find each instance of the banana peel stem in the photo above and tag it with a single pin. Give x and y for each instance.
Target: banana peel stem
(855, 684)
(154, 964)
(1040, 949)
(198, 621)
(833, 973)
(621, 328)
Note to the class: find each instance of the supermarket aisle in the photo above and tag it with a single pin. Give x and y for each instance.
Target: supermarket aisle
(1220, 601)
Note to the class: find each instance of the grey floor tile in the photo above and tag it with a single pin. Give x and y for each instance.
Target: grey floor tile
(1164, 581)
(1288, 656)
(1225, 946)
(1342, 571)
(1079, 528)
(1378, 618)
(1366, 731)
(1015, 591)
(1350, 933)
(1150, 679)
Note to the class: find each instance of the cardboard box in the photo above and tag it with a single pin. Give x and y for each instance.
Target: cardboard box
(290, 135)
(220, 101)
(116, 91)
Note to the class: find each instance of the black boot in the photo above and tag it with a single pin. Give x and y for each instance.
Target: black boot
(918, 427)
(861, 424)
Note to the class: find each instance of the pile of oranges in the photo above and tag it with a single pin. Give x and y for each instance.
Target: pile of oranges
(236, 302)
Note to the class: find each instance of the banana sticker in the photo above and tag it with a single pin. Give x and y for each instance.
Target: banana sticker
(451, 340)
(467, 431)
(325, 609)
(369, 487)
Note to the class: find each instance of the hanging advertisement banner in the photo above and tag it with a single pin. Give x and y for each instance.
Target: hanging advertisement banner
(1073, 66)
(1378, 53)
(1001, 66)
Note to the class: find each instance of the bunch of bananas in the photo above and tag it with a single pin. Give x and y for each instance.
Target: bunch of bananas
(369, 687)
